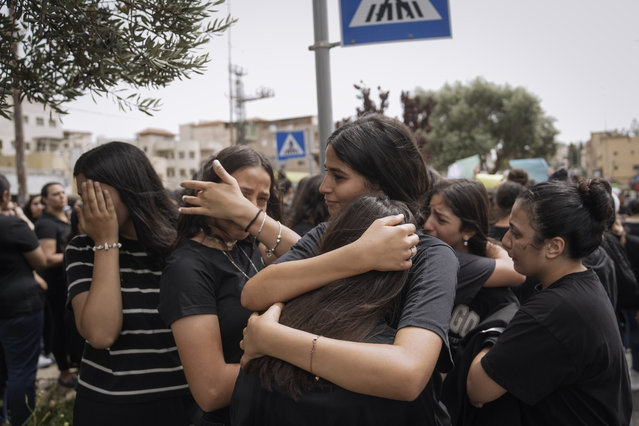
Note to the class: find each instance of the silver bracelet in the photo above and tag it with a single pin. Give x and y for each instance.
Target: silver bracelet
(259, 231)
(271, 251)
(106, 246)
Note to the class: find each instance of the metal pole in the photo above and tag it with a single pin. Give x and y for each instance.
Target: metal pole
(322, 75)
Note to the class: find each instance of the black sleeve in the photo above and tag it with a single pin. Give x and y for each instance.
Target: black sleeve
(187, 287)
(20, 236)
(45, 228)
(78, 261)
(474, 271)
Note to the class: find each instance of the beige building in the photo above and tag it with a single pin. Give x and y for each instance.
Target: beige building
(612, 155)
(182, 156)
(50, 151)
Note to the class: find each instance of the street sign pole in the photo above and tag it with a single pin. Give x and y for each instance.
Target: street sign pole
(322, 75)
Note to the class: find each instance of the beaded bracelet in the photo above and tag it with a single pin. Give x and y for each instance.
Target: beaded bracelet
(253, 220)
(106, 246)
(271, 251)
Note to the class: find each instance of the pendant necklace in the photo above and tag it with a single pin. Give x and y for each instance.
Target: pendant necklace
(228, 256)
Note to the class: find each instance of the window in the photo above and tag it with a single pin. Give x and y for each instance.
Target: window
(191, 155)
(26, 119)
(182, 172)
(193, 172)
(170, 172)
(39, 121)
(52, 123)
(27, 147)
(181, 155)
(170, 155)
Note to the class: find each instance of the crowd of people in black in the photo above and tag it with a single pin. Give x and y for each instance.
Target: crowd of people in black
(378, 293)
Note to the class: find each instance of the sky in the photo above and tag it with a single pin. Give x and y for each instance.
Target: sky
(579, 57)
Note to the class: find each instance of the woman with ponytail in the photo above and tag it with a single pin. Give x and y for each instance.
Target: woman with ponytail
(561, 355)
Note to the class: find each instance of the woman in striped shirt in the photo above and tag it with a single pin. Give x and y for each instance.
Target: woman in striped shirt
(130, 372)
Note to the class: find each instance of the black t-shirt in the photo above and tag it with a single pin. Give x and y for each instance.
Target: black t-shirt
(562, 357)
(473, 301)
(427, 300)
(200, 280)
(20, 294)
(329, 404)
(49, 226)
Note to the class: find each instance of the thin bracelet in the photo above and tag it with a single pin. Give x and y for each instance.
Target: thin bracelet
(271, 251)
(106, 246)
(314, 344)
(259, 231)
(253, 220)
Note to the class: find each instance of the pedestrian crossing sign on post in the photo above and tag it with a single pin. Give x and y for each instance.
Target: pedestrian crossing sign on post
(290, 145)
(375, 21)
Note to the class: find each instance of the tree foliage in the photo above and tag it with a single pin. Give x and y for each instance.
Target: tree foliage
(416, 115)
(64, 49)
(416, 111)
(481, 116)
(369, 106)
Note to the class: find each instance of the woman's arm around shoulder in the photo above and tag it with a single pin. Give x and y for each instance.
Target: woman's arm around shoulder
(386, 245)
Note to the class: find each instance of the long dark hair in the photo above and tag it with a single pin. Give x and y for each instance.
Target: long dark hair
(577, 212)
(308, 203)
(346, 309)
(468, 200)
(384, 151)
(232, 158)
(127, 169)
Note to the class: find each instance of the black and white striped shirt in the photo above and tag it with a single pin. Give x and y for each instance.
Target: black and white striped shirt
(143, 363)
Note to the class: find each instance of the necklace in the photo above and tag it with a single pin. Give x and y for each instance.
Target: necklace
(228, 256)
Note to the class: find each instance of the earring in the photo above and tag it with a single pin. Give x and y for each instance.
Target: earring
(465, 243)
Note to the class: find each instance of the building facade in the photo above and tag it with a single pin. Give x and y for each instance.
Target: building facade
(614, 156)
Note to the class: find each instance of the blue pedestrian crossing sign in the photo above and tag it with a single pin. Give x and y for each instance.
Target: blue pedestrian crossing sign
(375, 21)
(290, 145)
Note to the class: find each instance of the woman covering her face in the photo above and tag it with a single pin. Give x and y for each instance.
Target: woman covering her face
(204, 277)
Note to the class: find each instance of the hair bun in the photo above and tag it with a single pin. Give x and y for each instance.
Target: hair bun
(597, 199)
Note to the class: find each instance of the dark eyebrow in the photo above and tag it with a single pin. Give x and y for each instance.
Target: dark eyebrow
(335, 169)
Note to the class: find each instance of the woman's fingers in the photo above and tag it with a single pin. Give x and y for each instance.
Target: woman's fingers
(197, 185)
(99, 197)
(192, 200)
(222, 173)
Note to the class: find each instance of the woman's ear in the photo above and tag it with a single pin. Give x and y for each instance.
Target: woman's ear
(554, 247)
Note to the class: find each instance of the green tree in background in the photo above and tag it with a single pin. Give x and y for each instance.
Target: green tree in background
(56, 51)
(482, 116)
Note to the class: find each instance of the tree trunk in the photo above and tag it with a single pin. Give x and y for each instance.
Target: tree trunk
(21, 162)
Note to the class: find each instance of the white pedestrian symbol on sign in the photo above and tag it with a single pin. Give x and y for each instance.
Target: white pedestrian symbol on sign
(377, 12)
(291, 147)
